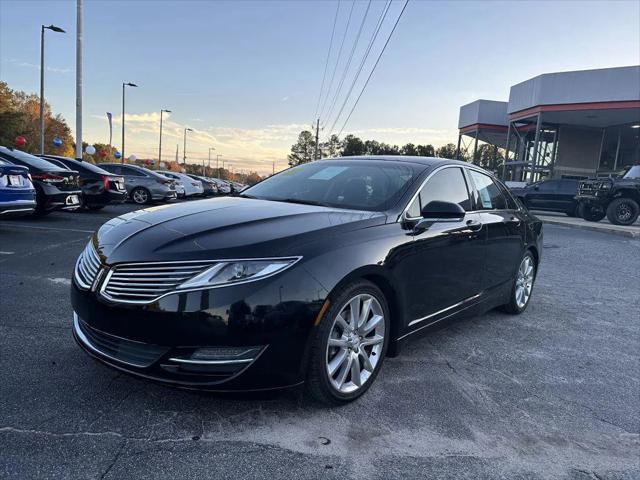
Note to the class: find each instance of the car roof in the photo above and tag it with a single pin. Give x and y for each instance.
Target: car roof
(426, 161)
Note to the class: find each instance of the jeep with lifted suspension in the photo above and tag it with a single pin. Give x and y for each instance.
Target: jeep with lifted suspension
(617, 198)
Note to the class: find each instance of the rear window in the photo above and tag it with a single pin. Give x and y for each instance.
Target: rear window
(30, 160)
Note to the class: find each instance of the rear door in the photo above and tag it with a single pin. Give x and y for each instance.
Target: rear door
(505, 228)
(544, 195)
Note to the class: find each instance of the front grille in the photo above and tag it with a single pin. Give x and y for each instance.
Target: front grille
(144, 282)
(130, 352)
(87, 267)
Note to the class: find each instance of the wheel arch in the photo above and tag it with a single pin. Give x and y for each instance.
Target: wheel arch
(381, 278)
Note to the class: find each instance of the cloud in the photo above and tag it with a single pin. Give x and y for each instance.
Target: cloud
(18, 63)
(284, 99)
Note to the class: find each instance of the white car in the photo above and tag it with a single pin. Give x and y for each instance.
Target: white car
(191, 187)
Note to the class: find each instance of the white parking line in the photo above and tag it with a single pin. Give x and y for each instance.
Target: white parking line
(6, 253)
(21, 225)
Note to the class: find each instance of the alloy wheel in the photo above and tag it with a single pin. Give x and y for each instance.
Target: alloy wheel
(140, 196)
(524, 281)
(355, 344)
(623, 212)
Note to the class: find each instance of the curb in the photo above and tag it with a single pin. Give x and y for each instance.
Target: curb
(592, 227)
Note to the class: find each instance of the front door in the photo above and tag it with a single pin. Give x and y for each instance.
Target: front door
(448, 256)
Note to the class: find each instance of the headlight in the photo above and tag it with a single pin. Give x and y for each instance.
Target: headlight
(239, 271)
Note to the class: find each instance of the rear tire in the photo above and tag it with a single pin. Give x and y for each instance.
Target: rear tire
(366, 344)
(623, 211)
(591, 214)
(522, 285)
(140, 196)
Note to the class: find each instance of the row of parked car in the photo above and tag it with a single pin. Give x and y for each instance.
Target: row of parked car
(617, 196)
(45, 183)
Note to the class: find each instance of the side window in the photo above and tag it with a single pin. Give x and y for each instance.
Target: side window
(489, 195)
(447, 185)
(112, 169)
(132, 172)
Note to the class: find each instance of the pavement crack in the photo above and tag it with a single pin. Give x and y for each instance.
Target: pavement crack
(115, 459)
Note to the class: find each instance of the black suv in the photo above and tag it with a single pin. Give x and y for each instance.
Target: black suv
(617, 198)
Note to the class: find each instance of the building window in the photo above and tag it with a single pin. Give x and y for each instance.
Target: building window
(620, 148)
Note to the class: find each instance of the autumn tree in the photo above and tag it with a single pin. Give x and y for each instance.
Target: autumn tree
(303, 150)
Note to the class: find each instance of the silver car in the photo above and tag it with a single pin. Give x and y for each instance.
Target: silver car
(143, 186)
(191, 186)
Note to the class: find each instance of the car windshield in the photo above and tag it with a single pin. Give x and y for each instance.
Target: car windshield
(355, 184)
(633, 172)
(31, 160)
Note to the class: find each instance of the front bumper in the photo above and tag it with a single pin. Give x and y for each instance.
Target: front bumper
(163, 337)
(598, 199)
(164, 195)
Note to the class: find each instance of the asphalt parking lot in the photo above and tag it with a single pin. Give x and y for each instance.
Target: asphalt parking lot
(553, 393)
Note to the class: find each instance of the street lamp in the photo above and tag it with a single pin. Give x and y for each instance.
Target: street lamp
(128, 84)
(53, 28)
(217, 160)
(160, 144)
(209, 165)
(184, 147)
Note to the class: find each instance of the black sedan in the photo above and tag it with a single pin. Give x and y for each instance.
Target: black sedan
(99, 187)
(57, 188)
(554, 195)
(311, 276)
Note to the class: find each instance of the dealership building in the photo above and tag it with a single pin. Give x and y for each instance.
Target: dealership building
(560, 125)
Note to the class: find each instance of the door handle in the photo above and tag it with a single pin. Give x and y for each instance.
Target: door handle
(474, 225)
(515, 220)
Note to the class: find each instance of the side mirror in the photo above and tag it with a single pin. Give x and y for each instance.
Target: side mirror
(442, 210)
(437, 211)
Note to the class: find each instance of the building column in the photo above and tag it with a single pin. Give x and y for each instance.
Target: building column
(458, 148)
(475, 149)
(536, 142)
(506, 153)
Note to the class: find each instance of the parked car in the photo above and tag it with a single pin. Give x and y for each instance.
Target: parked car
(191, 186)
(617, 198)
(17, 195)
(99, 187)
(143, 186)
(312, 275)
(555, 195)
(223, 185)
(56, 188)
(209, 188)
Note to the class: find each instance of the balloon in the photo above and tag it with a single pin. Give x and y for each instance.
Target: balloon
(57, 142)
(20, 141)
(117, 155)
(146, 162)
(90, 150)
(103, 153)
(132, 158)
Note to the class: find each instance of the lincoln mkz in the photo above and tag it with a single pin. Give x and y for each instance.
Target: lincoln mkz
(310, 277)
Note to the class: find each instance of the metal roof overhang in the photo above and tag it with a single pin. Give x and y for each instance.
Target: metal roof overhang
(594, 115)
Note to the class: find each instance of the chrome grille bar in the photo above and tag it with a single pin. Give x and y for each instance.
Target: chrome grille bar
(87, 267)
(144, 282)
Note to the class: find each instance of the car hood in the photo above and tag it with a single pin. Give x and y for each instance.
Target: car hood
(228, 227)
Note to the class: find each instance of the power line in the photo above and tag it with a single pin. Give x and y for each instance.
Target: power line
(348, 65)
(338, 59)
(326, 63)
(374, 67)
(383, 16)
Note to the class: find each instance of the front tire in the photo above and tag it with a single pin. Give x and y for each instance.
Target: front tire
(522, 286)
(623, 211)
(349, 344)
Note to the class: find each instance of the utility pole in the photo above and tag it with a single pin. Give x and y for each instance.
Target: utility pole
(79, 80)
(218, 164)
(315, 156)
(160, 143)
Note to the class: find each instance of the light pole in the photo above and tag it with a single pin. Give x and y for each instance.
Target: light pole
(128, 84)
(160, 144)
(217, 164)
(53, 28)
(209, 165)
(184, 147)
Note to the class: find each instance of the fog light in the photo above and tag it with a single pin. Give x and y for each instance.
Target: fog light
(219, 356)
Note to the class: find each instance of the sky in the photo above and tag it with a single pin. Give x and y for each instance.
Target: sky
(246, 76)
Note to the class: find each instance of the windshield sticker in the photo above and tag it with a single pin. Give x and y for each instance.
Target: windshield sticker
(327, 173)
